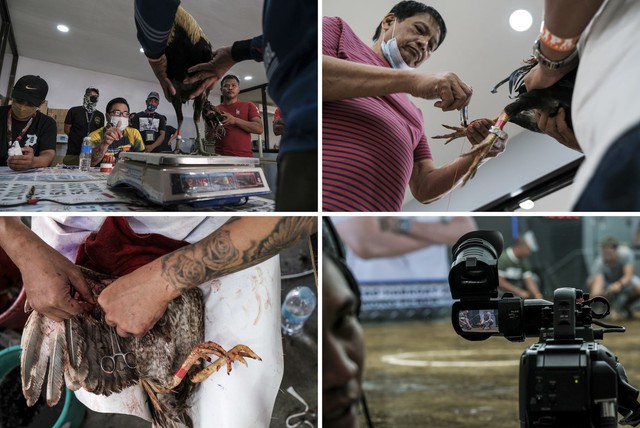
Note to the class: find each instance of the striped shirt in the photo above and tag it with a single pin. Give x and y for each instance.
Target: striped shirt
(369, 144)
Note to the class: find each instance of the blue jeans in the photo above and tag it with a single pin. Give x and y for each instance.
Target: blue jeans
(615, 185)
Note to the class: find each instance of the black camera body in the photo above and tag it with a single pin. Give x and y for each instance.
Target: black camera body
(567, 379)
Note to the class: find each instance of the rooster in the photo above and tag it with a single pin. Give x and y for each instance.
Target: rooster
(522, 111)
(187, 46)
(78, 352)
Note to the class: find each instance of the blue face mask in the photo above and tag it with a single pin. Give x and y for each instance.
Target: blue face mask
(392, 54)
(151, 107)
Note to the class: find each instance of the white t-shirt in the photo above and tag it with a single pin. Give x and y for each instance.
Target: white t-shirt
(242, 307)
(605, 100)
(428, 264)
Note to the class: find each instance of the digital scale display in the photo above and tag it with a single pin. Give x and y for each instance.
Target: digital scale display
(214, 181)
(167, 178)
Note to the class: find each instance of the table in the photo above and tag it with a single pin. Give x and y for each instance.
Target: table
(67, 189)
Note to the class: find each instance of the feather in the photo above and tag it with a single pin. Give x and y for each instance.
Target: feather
(91, 361)
(55, 378)
(187, 46)
(189, 24)
(76, 346)
(35, 356)
(521, 111)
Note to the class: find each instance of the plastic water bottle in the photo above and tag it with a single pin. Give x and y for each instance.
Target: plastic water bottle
(85, 154)
(296, 308)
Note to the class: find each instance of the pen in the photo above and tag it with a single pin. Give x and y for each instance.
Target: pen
(31, 192)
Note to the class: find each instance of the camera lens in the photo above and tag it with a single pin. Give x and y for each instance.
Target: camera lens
(474, 271)
(599, 307)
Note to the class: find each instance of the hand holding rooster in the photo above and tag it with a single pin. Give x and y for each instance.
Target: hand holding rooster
(210, 72)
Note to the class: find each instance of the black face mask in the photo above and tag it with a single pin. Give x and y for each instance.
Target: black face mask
(93, 98)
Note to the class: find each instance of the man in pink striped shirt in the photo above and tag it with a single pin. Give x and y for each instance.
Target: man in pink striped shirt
(373, 136)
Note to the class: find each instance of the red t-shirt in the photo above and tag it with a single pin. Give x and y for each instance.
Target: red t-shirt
(236, 141)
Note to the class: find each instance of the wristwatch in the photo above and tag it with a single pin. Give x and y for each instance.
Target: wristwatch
(404, 225)
(551, 64)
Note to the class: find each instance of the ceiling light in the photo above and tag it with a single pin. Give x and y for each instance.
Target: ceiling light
(248, 77)
(63, 28)
(527, 204)
(521, 20)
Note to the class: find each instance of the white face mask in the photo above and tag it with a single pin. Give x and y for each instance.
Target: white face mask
(124, 121)
(392, 54)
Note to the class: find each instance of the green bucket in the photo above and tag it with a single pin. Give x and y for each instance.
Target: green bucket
(73, 411)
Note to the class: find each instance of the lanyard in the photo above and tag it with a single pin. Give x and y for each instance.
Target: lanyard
(24, 130)
(89, 119)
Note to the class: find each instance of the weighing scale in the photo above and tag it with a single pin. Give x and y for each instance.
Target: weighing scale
(167, 178)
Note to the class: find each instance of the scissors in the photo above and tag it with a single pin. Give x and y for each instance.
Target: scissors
(109, 363)
(464, 116)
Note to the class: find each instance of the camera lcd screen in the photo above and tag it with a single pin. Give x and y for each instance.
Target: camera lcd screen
(478, 320)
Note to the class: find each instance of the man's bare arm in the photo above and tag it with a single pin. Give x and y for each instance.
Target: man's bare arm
(239, 244)
(135, 302)
(343, 79)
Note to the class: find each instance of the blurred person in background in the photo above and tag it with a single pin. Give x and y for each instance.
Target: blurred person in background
(380, 248)
(613, 276)
(80, 122)
(514, 268)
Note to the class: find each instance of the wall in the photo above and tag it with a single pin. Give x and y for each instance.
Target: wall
(67, 86)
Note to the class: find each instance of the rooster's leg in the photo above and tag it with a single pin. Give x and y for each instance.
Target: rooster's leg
(198, 106)
(237, 353)
(177, 105)
(480, 151)
(202, 351)
(459, 131)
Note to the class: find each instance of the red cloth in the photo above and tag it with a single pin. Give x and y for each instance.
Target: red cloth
(117, 250)
(9, 272)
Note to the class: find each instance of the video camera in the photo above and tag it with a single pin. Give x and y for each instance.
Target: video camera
(567, 379)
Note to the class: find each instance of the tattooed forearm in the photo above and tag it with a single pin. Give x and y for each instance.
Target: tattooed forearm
(286, 231)
(228, 250)
(97, 153)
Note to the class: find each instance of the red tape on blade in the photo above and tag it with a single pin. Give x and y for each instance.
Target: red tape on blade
(181, 373)
(500, 123)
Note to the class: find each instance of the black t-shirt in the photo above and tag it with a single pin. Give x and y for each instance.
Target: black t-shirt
(41, 135)
(82, 124)
(149, 125)
(165, 146)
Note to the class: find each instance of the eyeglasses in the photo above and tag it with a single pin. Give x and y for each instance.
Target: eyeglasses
(118, 113)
